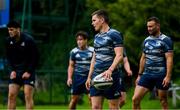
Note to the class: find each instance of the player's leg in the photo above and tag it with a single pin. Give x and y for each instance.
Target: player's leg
(114, 104)
(163, 94)
(113, 93)
(89, 99)
(13, 92)
(73, 101)
(122, 99)
(77, 88)
(29, 91)
(28, 94)
(139, 93)
(96, 98)
(97, 102)
(146, 83)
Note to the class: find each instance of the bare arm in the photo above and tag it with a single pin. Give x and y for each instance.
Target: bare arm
(141, 67)
(127, 66)
(169, 66)
(142, 63)
(90, 72)
(91, 66)
(70, 72)
(118, 58)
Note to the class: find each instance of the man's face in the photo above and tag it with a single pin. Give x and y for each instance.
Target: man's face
(97, 22)
(13, 32)
(81, 42)
(152, 27)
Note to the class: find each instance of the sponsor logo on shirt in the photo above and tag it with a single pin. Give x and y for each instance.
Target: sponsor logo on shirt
(22, 44)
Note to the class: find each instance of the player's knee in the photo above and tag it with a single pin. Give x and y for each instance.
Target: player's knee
(135, 100)
(163, 100)
(113, 106)
(96, 107)
(122, 102)
(12, 96)
(74, 100)
(28, 97)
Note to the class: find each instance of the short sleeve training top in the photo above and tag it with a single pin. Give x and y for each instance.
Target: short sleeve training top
(82, 59)
(104, 44)
(155, 49)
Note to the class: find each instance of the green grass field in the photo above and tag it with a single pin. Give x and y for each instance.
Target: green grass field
(146, 104)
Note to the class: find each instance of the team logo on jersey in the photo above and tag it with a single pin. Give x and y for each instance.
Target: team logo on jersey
(149, 46)
(158, 43)
(22, 44)
(11, 42)
(32, 82)
(77, 55)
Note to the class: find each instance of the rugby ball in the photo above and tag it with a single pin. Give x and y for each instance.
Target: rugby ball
(100, 83)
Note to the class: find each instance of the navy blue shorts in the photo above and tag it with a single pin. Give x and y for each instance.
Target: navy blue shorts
(78, 85)
(150, 81)
(111, 93)
(18, 80)
(122, 84)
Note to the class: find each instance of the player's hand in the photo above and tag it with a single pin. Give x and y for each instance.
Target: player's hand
(137, 79)
(69, 82)
(13, 75)
(107, 74)
(166, 81)
(26, 75)
(88, 83)
(129, 73)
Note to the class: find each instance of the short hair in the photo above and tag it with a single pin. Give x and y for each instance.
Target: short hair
(83, 34)
(102, 13)
(153, 18)
(13, 24)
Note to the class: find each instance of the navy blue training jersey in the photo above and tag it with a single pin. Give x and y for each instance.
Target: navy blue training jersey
(155, 49)
(104, 45)
(82, 59)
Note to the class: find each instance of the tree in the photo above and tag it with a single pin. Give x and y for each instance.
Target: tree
(130, 17)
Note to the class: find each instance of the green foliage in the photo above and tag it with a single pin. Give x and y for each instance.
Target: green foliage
(130, 17)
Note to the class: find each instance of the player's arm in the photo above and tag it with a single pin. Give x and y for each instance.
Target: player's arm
(8, 56)
(70, 72)
(169, 66)
(91, 66)
(127, 66)
(141, 67)
(141, 64)
(10, 64)
(117, 59)
(90, 71)
(32, 58)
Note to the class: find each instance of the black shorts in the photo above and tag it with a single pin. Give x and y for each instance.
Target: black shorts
(18, 80)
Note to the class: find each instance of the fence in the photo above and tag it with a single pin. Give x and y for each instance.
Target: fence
(175, 95)
(50, 88)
